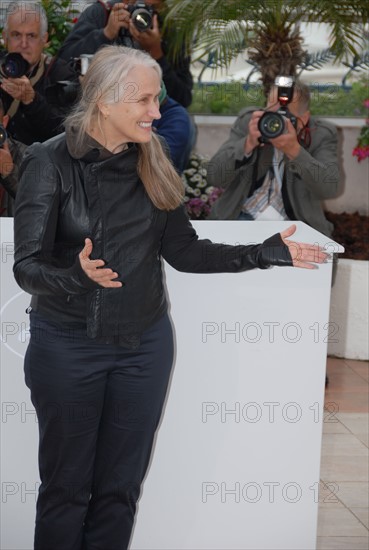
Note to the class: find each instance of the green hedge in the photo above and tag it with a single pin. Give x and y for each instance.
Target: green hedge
(229, 98)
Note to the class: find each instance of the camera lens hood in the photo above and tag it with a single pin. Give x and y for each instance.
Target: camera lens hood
(13, 65)
(141, 16)
(271, 125)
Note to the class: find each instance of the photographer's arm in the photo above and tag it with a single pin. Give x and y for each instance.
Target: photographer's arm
(317, 167)
(8, 178)
(10, 159)
(42, 118)
(236, 152)
(87, 34)
(287, 142)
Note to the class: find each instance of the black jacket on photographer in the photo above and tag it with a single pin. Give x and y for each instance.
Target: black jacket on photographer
(87, 36)
(41, 119)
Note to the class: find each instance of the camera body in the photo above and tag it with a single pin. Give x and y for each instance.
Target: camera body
(272, 123)
(141, 15)
(81, 64)
(13, 65)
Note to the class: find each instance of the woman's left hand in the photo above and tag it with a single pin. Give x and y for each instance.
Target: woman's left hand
(303, 254)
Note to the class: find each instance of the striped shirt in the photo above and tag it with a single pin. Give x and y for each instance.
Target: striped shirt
(269, 194)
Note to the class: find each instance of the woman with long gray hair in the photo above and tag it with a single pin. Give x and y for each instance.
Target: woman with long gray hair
(97, 208)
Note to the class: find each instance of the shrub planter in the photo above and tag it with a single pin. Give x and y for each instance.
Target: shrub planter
(349, 311)
(349, 298)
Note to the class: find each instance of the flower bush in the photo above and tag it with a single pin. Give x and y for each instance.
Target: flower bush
(361, 151)
(199, 196)
(61, 15)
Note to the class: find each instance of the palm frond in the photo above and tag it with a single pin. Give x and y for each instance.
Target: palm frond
(357, 64)
(228, 39)
(315, 60)
(269, 29)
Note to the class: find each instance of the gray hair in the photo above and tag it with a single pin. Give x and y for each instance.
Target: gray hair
(302, 95)
(28, 8)
(105, 82)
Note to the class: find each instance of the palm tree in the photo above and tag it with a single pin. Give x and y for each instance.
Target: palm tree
(268, 29)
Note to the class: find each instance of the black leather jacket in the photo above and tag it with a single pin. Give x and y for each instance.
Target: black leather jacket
(66, 195)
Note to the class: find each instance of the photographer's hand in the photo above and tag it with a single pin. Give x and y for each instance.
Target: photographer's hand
(95, 269)
(118, 18)
(19, 88)
(149, 40)
(288, 142)
(6, 161)
(252, 140)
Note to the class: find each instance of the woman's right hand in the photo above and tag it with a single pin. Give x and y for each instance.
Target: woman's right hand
(94, 268)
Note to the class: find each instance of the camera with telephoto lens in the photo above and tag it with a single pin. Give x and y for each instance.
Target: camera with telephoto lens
(141, 15)
(3, 136)
(273, 123)
(13, 65)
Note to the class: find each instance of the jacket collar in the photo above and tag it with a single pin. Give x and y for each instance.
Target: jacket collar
(89, 150)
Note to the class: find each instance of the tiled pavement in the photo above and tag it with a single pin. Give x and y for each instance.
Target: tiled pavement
(344, 513)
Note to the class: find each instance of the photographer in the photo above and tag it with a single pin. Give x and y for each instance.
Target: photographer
(285, 178)
(11, 153)
(111, 23)
(33, 117)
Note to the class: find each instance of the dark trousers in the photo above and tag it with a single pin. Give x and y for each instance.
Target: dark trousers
(98, 407)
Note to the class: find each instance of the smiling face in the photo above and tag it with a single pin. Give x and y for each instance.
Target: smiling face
(129, 118)
(23, 36)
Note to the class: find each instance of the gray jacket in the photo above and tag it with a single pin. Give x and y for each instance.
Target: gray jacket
(310, 178)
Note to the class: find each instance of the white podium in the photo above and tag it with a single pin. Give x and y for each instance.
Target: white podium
(237, 457)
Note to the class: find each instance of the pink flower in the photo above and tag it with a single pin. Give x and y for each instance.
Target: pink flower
(366, 103)
(197, 209)
(361, 152)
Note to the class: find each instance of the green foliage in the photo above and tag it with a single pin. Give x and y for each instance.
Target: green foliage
(341, 102)
(229, 98)
(61, 16)
(222, 25)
